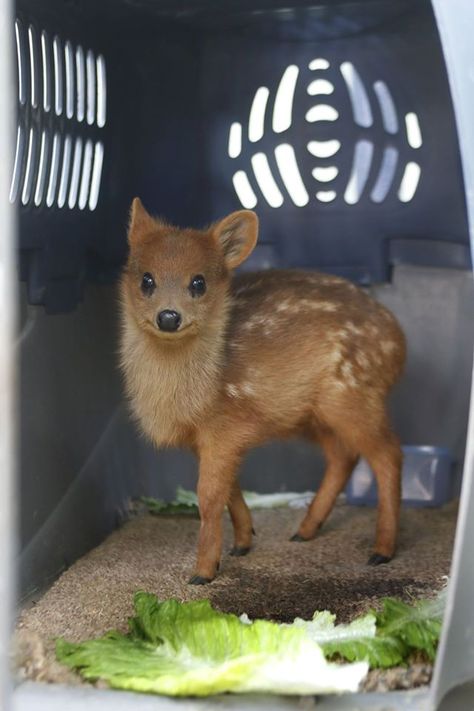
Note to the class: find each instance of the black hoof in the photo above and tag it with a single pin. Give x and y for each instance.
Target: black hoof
(298, 538)
(254, 532)
(199, 580)
(378, 559)
(238, 551)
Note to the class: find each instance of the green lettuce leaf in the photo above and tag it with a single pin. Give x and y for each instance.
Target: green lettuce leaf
(163, 508)
(277, 500)
(418, 626)
(191, 649)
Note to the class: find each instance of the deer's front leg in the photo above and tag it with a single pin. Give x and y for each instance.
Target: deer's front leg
(217, 471)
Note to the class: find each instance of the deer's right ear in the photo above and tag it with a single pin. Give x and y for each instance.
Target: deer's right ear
(141, 223)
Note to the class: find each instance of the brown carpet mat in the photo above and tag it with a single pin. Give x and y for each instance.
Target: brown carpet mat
(278, 580)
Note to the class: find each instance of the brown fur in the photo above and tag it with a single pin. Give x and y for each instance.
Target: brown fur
(261, 356)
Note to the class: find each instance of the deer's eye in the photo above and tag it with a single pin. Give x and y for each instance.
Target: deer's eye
(197, 285)
(148, 284)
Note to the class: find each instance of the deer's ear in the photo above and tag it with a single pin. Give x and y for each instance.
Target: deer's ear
(141, 223)
(237, 235)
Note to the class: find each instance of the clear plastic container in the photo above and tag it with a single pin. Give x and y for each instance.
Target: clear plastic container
(426, 478)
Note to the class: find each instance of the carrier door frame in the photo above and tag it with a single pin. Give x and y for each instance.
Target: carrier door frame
(8, 395)
(455, 658)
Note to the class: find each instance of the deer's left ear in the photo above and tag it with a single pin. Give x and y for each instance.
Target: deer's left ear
(237, 236)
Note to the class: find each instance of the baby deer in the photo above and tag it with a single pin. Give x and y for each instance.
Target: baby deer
(221, 364)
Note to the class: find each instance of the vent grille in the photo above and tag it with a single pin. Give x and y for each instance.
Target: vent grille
(62, 96)
(300, 98)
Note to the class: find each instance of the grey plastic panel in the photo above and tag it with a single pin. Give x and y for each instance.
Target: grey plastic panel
(79, 464)
(42, 697)
(455, 661)
(431, 404)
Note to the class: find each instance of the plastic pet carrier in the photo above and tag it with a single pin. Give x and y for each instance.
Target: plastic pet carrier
(348, 127)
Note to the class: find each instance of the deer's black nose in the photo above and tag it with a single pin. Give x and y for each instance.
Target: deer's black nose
(169, 320)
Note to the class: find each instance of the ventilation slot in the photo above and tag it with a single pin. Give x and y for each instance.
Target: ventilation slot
(386, 175)
(76, 174)
(30, 168)
(21, 60)
(360, 171)
(413, 131)
(53, 173)
(320, 86)
(80, 84)
(283, 107)
(86, 176)
(235, 140)
(326, 195)
(290, 174)
(96, 175)
(266, 181)
(58, 76)
(33, 66)
(257, 114)
(322, 112)
(324, 149)
(17, 166)
(325, 175)
(69, 65)
(244, 190)
(387, 107)
(319, 64)
(101, 91)
(46, 62)
(409, 182)
(66, 167)
(91, 88)
(42, 169)
(360, 101)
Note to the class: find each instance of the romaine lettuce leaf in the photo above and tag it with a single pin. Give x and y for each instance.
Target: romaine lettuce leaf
(384, 638)
(191, 649)
(355, 641)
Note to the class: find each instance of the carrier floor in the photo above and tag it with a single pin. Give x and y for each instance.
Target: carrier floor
(278, 580)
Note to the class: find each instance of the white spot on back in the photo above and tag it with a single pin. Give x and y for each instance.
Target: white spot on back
(388, 346)
(335, 355)
(362, 360)
(342, 334)
(248, 389)
(315, 305)
(348, 374)
(284, 305)
(353, 329)
(269, 324)
(232, 390)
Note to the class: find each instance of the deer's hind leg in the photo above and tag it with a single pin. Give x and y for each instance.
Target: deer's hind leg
(340, 461)
(241, 521)
(361, 427)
